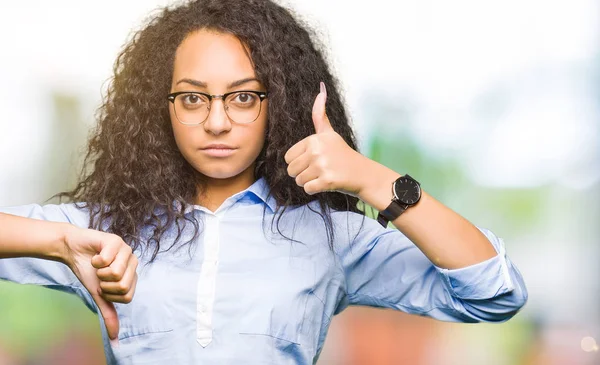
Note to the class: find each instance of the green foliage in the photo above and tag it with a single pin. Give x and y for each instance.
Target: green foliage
(512, 211)
(34, 318)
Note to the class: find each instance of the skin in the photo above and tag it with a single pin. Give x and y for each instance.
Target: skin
(218, 60)
(324, 162)
(105, 264)
(102, 262)
(320, 162)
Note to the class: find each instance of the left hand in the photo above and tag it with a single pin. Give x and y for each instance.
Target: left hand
(324, 161)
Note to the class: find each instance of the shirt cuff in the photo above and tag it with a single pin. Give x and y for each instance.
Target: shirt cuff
(484, 280)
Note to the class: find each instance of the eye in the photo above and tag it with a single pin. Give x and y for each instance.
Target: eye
(243, 99)
(193, 100)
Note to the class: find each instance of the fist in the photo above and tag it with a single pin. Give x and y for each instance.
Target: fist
(106, 266)
(324, 161)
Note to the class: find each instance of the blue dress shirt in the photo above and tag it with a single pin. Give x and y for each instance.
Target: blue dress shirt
(243, 294)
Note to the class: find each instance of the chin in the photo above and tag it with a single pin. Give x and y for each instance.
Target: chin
(222, 175)
(221, 172)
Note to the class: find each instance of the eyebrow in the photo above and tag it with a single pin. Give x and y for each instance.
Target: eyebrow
(231, 85)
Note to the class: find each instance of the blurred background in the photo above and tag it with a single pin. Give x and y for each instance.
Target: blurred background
(494, 106)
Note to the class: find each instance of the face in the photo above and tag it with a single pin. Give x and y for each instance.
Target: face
(217, 63)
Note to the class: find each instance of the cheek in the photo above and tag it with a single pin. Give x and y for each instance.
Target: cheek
(182, 139)
(259, 137)
(172, 115)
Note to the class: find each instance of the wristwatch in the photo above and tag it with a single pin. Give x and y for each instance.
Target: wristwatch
(406, 193)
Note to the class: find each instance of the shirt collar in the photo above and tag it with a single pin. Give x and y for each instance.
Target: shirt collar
(259, 189)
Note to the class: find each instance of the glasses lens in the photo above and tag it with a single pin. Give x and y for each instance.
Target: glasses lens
(191, 108)
(243, 107)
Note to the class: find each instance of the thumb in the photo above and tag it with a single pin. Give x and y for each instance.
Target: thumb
(319, 116)
(109, 313)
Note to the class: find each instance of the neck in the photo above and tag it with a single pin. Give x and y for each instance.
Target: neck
(216, 191)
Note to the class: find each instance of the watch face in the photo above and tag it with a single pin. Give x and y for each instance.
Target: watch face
(407, 190)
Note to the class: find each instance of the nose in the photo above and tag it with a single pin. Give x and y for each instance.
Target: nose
(217, 121)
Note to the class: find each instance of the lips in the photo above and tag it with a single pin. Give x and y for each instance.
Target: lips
(218, 150)
(218, 146)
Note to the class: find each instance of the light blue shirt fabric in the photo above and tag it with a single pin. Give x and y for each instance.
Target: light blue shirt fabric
(249, 296)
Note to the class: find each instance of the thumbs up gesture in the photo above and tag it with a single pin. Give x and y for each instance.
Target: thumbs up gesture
(324, 161)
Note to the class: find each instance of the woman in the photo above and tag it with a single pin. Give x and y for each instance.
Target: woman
(241, 203)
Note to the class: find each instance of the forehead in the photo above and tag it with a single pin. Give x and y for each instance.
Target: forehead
(212, 57)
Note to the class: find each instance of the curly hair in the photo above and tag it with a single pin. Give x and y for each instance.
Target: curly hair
(133, 169)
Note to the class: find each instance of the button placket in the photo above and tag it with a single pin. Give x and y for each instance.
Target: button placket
(207, 281)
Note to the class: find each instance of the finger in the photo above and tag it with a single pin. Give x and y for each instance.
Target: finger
(317, 185)
(109, 313)
(106, 255)
(319, 116)
(125, 298)
(117, 268)
(299, 164)
(295, 151)
(307, 175)
(124, 285)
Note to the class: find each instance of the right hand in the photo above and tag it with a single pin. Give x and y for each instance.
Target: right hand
(106, 266)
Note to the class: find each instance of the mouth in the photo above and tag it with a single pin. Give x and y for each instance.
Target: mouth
(218, 150)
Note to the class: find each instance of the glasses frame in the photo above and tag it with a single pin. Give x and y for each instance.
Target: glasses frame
(262, 95)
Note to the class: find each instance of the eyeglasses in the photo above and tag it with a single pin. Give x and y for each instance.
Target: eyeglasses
(192, 108)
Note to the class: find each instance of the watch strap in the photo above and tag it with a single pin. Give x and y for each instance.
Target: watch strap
(390, 213)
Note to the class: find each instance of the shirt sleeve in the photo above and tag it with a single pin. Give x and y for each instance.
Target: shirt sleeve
(383, 268)
(46, 273)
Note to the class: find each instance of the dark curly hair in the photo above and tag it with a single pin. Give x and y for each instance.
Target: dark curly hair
(133, 169)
